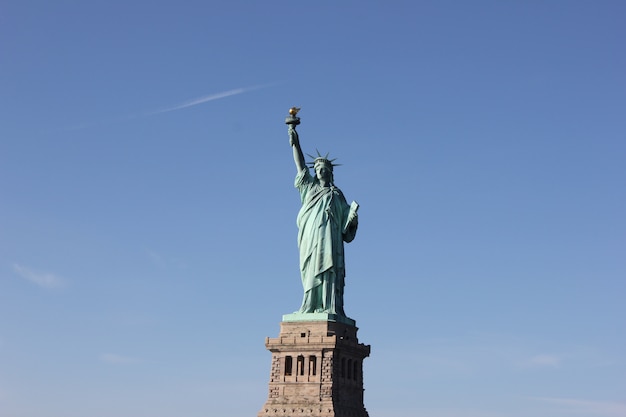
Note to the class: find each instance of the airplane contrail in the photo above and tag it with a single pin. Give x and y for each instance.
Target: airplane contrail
(204, 99)
(188, 103)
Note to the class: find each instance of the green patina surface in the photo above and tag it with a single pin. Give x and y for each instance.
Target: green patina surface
(325, 221)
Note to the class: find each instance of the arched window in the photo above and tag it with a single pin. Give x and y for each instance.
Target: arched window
(288, 365)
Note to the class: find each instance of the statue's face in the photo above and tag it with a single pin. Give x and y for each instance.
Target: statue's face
(323, 172)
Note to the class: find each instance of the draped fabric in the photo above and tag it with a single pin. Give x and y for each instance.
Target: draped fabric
(321, 223)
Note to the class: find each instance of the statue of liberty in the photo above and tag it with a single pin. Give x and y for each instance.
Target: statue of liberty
(324, 222)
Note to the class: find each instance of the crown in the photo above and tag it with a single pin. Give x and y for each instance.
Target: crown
(321, 160)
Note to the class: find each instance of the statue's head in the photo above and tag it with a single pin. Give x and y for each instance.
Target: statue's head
(323, 167)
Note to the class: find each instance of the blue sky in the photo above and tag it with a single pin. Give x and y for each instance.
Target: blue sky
(147, 210)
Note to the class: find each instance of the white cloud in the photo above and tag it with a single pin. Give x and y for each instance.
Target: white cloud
(595, 408)
(445, 412)
(564, 407)
(43, 279)
(543, 360)
(117, 359)
(188, 103)
(155, 257)
(204, 99)
(163, 262)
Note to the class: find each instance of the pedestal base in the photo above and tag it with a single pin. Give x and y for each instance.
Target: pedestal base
(317, 371)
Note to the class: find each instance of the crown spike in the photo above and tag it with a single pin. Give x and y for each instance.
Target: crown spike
(321, 160)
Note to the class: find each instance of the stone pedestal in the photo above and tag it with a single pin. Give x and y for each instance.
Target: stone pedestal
(317, 370)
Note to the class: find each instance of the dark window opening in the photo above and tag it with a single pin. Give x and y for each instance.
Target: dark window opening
(312, 365)
(288, 365)
(301, 365)
(343, 367)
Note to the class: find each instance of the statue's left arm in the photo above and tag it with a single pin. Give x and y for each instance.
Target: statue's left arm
(352, 224)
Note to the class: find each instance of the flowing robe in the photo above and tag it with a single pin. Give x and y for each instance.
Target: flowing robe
(321, 222)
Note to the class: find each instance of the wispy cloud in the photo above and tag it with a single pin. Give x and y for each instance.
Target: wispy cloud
(117, 359)
(189, 103)
(163, 262)
(595, 408)
(551, 407)
(43, 279)
(204, 99)
(155, 257)
(544, 360)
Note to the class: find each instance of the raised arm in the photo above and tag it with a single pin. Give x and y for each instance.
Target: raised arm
(294, 141)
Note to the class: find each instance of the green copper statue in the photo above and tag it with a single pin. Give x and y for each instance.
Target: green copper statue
(325, 221)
